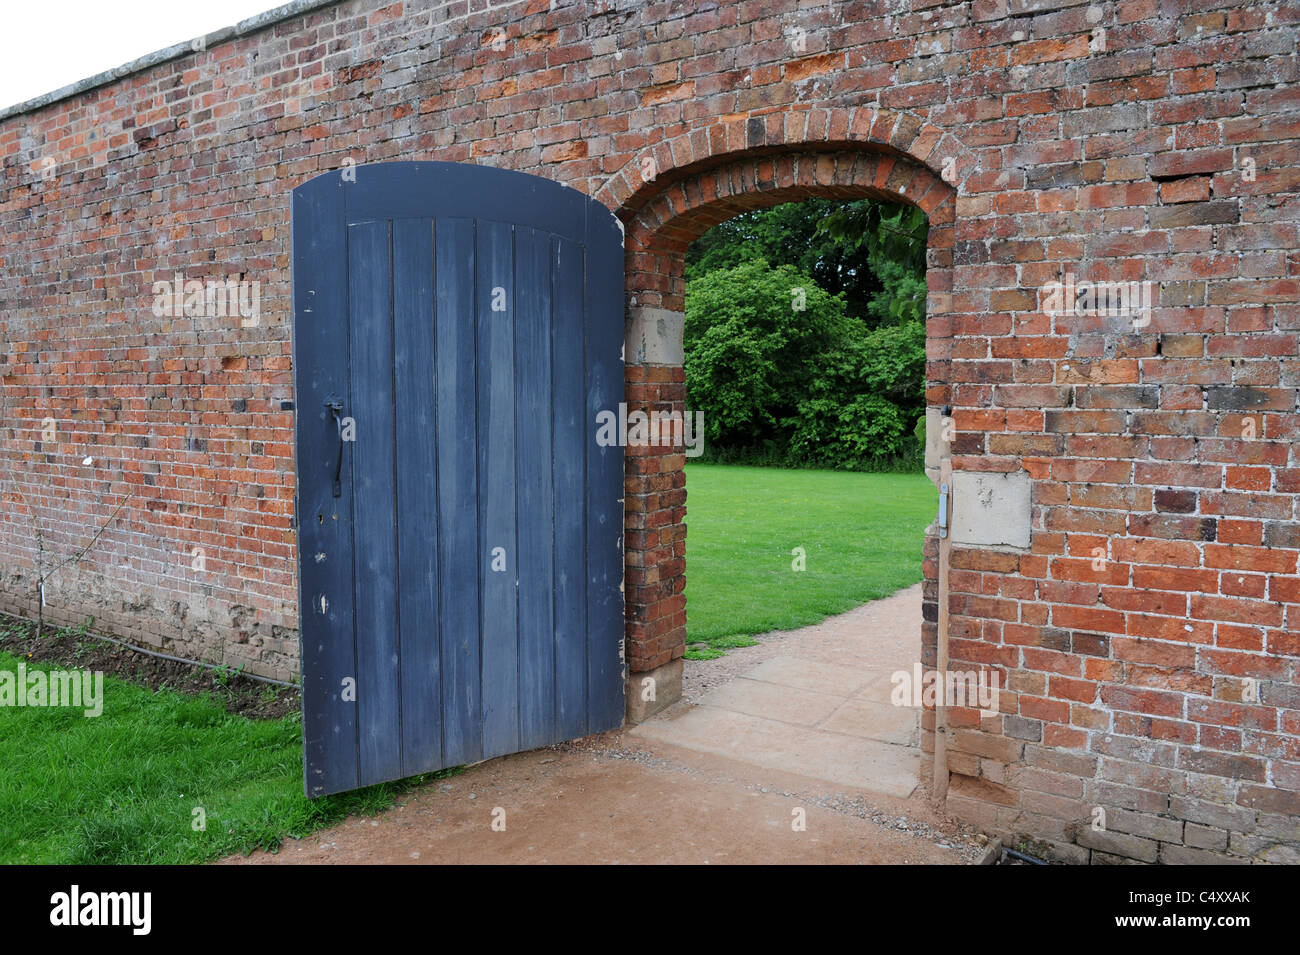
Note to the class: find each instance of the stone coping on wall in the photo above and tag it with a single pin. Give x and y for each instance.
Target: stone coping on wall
(243, 28)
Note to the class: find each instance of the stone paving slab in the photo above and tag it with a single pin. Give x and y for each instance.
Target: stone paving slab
(786, 704)
(900, 725)
(804, 674)
(834, 757)
(819, 705)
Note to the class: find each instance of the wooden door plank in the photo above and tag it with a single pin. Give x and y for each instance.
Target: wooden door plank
(499, 559)
(373, 501)
(605, 378)
(569, 447)
(533, 427)
(458, 519)
(320, 348)
(417, 468)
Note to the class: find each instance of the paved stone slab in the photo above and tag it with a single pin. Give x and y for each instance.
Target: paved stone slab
(848, 760)
(879, 686)
(812, 675)
(786, 704)
(870, 719)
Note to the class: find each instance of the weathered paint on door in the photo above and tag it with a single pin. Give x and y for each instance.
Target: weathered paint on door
(456, 331)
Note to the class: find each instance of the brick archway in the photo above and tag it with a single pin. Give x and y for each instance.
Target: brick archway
(864, 128)
(662, 217)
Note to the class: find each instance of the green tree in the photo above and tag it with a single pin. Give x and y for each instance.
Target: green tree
(755, 337)
(892, 237)
(790, 234)
(836, 383)
(863, 407)
(871, 252)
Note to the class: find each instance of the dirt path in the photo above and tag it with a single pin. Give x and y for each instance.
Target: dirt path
(599, 801)
(624, 798)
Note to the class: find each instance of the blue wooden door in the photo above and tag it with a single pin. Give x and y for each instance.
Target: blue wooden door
(456, 331)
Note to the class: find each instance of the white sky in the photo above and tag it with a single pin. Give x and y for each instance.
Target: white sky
(47, 44)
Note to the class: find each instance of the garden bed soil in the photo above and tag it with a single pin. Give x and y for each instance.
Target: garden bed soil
(77, 649)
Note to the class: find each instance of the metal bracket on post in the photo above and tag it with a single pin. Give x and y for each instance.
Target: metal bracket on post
(943, 511)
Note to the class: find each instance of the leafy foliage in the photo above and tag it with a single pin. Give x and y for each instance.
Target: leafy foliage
(892, 239)
(791, 234)
(863, 405)
(886, 230)
(750, 352)
(805, 335)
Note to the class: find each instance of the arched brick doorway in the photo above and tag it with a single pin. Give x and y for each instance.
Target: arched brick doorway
(692, 183)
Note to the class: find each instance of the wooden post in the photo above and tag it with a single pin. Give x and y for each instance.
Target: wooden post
(941, 650)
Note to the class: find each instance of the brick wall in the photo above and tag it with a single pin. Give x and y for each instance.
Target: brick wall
(1147, 638)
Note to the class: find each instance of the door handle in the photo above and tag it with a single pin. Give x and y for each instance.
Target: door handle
(336, 409)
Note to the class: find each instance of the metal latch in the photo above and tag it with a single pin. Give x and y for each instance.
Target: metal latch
(943, 510)
(336, 410)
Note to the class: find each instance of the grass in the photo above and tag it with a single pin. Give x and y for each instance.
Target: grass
(122, 787)
(772, 456)
(861, 534)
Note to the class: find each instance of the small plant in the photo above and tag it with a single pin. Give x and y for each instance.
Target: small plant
(225, 672)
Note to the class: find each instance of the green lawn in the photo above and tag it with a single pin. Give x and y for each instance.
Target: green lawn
(861, 533)
(122, 787)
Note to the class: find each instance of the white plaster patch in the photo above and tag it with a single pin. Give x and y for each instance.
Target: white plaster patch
(653, 336)
(991, 509)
